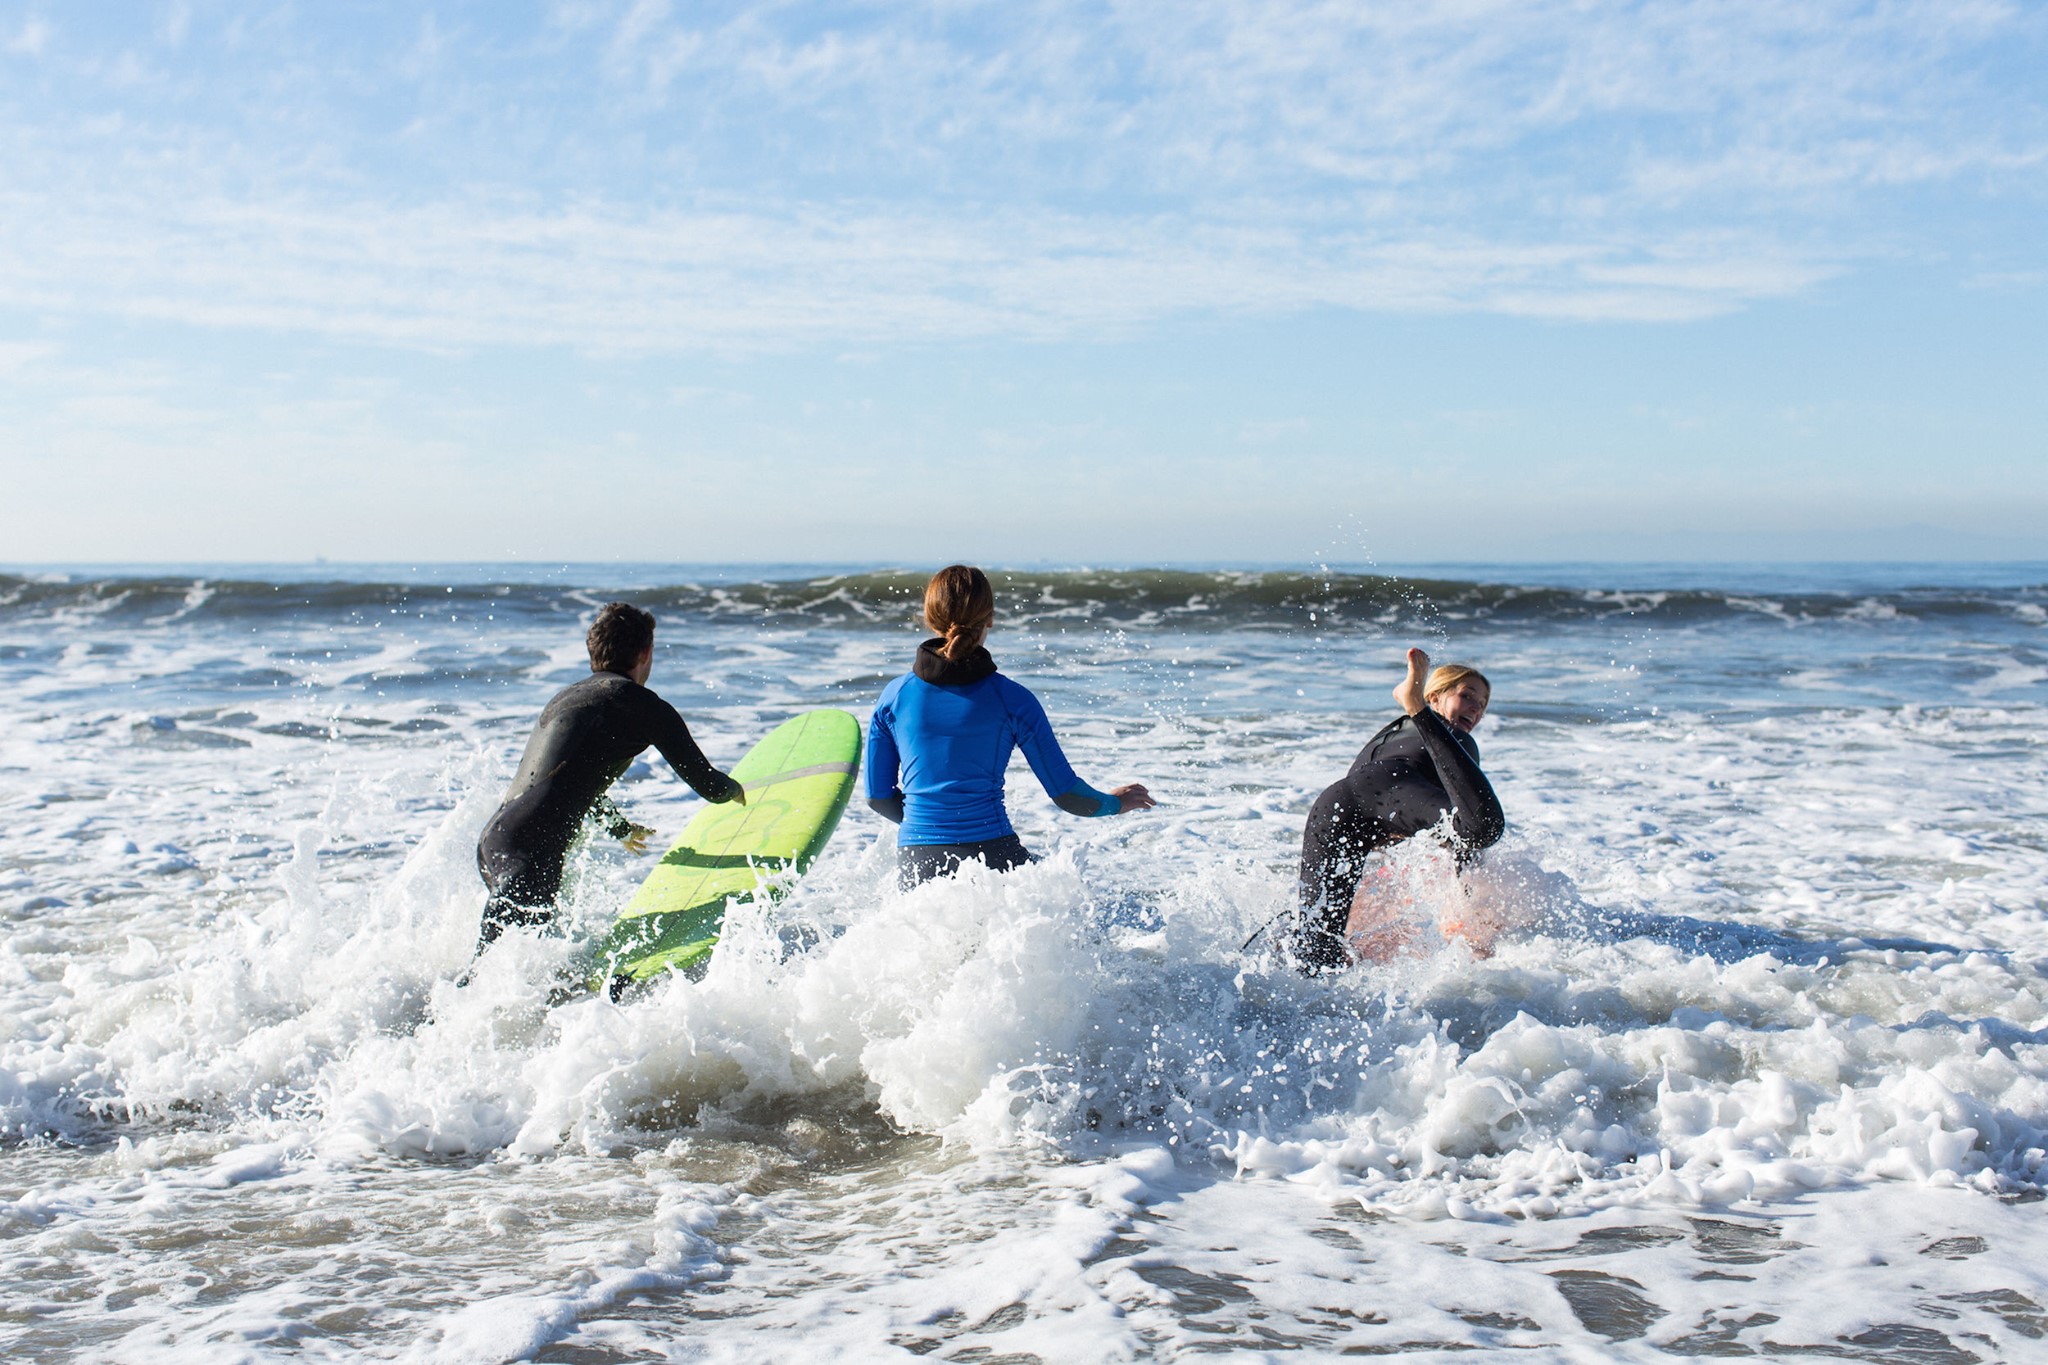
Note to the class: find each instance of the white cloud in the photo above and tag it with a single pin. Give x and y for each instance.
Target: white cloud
(614, 279)
(30, 39)
(647, 177)
(1209, 96)
(17, 356)
(1273, 431)
(2008, 279)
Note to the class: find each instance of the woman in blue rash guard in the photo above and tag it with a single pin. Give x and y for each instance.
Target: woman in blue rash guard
(941, 737)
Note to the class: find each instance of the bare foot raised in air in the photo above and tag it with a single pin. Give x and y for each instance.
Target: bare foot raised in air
(1408, 692)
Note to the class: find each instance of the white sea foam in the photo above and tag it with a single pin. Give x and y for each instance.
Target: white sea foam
(1771, 1004)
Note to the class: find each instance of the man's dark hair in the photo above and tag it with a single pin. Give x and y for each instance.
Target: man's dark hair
(618, 637)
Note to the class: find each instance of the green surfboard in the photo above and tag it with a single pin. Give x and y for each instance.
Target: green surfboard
(798, 781)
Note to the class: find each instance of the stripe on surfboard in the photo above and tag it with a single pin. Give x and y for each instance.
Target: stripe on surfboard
(815, 770)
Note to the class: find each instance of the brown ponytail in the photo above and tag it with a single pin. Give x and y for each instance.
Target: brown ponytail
(959, 607)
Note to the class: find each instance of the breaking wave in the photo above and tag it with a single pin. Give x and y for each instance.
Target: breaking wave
(1210, 599)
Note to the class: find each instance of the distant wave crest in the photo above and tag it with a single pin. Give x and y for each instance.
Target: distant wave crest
(1137, 598)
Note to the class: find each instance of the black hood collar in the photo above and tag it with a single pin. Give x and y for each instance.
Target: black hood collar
(935, 667)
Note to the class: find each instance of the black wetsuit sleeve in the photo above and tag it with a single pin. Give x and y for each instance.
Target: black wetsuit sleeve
(1086, 802)
(672, 737)
(1476, 813)
(890, 808)
(611, 817)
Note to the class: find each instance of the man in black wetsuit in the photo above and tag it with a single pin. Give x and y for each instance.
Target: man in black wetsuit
(585, 738)
(1401, 783)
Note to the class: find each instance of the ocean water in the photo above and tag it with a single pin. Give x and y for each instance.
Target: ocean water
(1759, 1066)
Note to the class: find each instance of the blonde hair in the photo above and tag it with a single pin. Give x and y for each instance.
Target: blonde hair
(1444, 677)
(959, 605)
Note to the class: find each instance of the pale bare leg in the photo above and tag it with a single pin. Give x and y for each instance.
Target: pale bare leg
(1495, 899)
(1408, 692)
(1382, 922)
(1478, 928)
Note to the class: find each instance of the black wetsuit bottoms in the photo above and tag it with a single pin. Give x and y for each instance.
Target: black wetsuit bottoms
(1403, 781)
(917, 864)
(519, 895)
(585, 738)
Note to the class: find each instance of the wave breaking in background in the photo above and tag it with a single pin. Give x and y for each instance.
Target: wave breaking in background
(1146, 598)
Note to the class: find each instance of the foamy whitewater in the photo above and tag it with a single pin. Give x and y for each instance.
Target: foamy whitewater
(1761, 1067)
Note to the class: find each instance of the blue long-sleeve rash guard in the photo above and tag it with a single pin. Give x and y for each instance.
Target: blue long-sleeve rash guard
(942, 748)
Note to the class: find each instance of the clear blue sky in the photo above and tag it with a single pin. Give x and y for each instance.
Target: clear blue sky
(1270, 280)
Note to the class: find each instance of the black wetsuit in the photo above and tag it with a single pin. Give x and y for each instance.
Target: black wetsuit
(917, 864)
(585, 738)
(1401, 783)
